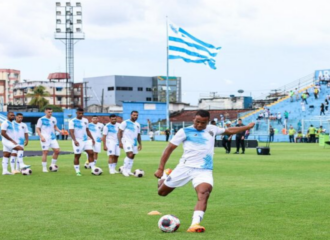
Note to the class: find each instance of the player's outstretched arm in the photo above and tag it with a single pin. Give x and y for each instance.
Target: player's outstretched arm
(139, 141)
(234, 130)
(166, 155)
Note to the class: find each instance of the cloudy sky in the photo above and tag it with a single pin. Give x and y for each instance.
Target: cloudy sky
(265, 44)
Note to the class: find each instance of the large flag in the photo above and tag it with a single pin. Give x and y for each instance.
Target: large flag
(182, 45)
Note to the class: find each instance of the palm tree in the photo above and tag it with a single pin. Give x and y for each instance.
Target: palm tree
(38, 97)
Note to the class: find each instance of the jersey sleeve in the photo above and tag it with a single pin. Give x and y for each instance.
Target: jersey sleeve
(26, 130)
(4, 126)
(55, 121)
(179, 137)
(105, 130)
(39, 123)
(122, 126)
(71, 125)
(219, 131)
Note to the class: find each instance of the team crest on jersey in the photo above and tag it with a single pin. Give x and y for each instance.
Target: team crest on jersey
(85, 123)
(53, 122)
(22, 127)
(211, 133)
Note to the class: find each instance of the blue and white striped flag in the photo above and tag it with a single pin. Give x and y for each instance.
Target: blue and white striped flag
(182, 45)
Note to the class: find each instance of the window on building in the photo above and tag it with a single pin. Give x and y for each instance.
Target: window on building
(58, 12)
(140, 89)
(111, 88)
(124, 88)
(79, 21)
(59, 89)
(58, 21)
(148, 99)
(148, 89)
(155, 99)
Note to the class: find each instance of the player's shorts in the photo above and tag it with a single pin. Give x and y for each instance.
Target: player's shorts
(113, 149)
(97, 147)
(83, 146)
(129, 147)
(181, 175)
(8, 146)
(49, 144)
(15, 151)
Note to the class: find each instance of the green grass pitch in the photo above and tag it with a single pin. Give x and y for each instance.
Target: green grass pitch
(282, 196)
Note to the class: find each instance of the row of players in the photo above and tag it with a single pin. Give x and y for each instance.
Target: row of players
(86, 137)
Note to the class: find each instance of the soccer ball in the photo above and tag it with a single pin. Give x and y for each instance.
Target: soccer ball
(97, 171)
(120, 169)
(87, 165)
(168, 223)
(138, 173)
(53, 168)
(26, 171)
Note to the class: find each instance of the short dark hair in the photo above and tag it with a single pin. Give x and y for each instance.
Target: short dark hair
(48, 108)
(10, 112)
(19, 114)
(80, 110)
(212, 122)
(134, 111)
(239, 119)
(203, 113)
(94, 116)
(112, 116)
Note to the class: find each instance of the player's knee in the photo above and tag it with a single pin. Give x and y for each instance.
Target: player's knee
(204, 195)
(56, 151)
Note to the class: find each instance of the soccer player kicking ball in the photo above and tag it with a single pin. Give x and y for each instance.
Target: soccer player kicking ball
(196, 163)
(78, 128)
(8, 134)
(110, 142)
(128, 137)
(22, 138)
(95, 127)
(46, 127)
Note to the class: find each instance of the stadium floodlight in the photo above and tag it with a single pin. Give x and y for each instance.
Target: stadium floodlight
(69, 30)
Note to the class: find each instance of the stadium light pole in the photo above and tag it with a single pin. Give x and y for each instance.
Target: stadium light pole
(69, 31)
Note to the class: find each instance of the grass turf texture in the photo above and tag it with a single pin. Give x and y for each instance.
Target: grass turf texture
(282, 196)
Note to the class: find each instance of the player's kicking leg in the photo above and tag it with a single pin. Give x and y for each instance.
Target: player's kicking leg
(56, 152)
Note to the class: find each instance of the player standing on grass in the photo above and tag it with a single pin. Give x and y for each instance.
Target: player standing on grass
(128, 138)
(110, 142)
(9, 144)
(22, 138)
(46, 127)
(196, 163)
(95, 127)
(79, 131)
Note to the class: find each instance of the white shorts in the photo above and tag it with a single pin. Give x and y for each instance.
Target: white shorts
(49, 144)
(113, 149)
(97, 147)
(83, 146)
(129, 147)
(8, 146)
(181, 175)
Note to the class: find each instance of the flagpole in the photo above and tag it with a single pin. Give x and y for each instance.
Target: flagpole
(167, 92)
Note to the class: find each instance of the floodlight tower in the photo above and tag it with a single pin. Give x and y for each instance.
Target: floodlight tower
(69, 31)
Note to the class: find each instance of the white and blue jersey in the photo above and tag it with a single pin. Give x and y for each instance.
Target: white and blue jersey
(198, 146)
(96, 131)
(131, 130)
(79, 126)
(8, 126)
(20, 129)
(110, 131)
(47, 127)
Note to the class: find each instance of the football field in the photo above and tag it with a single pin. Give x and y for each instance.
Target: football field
(282, 196)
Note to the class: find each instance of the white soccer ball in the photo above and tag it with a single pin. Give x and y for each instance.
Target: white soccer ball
(53, 168)
(26, 171)
(120, 169)
(138, 173)
(168, 223)
(87, 166)
(97, 171)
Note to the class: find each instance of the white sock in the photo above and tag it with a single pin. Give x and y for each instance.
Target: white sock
(197, 217)
(5, 164)
(126, 163)
(114, 165)
(110, 166)
(12, 163)
(54, 161)
(130, 165)
(95, 160)
(20, 157)
(44, 164)
(77, 168)
(17, 165)
(92, 165)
